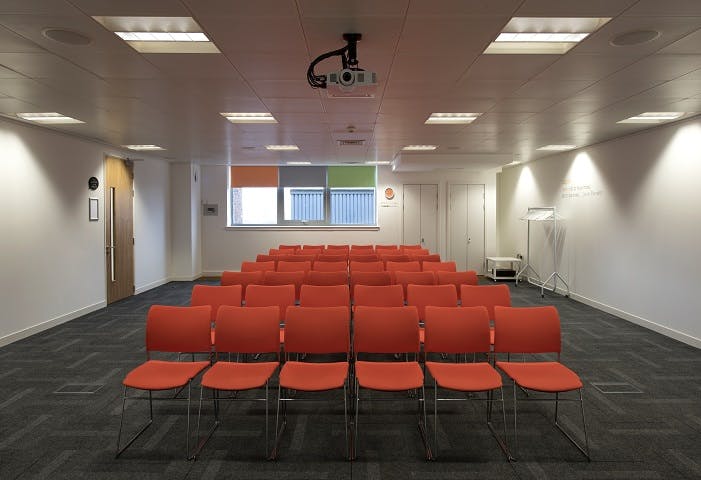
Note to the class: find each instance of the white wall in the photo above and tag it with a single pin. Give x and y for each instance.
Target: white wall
(632, 227)
(185, 231)
(52, 258)
(225, 249)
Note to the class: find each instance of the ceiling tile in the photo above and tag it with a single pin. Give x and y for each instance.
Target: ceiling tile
(509, 67)
(676, 8)
(589, 8)
(132, 8)
(344, 8)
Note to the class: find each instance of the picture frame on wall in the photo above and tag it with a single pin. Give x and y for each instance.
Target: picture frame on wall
(93, 209)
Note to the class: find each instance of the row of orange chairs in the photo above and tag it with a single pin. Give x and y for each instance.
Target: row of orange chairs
(299, 278)
(353, 266)
(300, 256)
(377, 330)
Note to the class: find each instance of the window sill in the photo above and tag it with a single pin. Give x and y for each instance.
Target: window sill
(369, 228)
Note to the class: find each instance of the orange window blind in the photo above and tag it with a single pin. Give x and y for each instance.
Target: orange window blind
(254, 177)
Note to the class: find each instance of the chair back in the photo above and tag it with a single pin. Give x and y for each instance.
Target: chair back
(179, 329)
(309, 251)
(317, 330)
(332, 256)
(362, 248)
(295, 278)
(313, 247)
(324, 296)
(421, 296)
(242, 278)
(326, 278)
(282, 296)
(258, 266)
(399, 257)
(439, 267)
(456, 330)
(356, 266)
(378, 296)
(527, 330)
(386, 330)
(417, 252)
(297, 257)
(262, 257)
(434, 257)
(294, 248)
(410, 247)
(342, 248)
(341, 266)
(415, 278)
(215, 296)
(292, 266)
(363, 257)
(247, 329)
(391, 248)
(487, 295)
(391, 266)
(468, 277)
(369, 278)
(281, 251)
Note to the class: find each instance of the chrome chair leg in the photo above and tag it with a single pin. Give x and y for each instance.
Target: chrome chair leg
(141, 430)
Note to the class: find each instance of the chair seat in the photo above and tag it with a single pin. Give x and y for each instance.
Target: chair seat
(542, 376)
(465, 377)
(163, 375)
(313, 377)
(389, 376)
(238, 376)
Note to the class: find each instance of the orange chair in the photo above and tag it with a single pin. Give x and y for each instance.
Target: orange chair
(343, 248)
(416, 278)
(294, 248)
(434, 257)
(363, 248)
(416, 252)
(386, 247)
(281, 251)
(310, 251)
(363, 257)
(326, 278)
(382, 330)
(394, 258)
(422, 296)
(333, 257)
(393, 267)
(468, 277)
(215, 296)
(356, 266)
(282, 296)
(486, 295)
(242, 278)
(324, 296)
(330, 266)
(297, 258)
(378, 296)
(257, 266)
(287, 266)
(314, 247)
(173, 330)
(453, 330)
(536, 330)
(314, 331)
(369, 278)
(439, 267)
(250, 330)
(295, 278)
(261, 257)
(410, 247)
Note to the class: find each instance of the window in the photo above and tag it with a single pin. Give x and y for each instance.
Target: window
(334, 195)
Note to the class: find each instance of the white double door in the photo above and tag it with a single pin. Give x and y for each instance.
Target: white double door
(466, 226)
(420, 216)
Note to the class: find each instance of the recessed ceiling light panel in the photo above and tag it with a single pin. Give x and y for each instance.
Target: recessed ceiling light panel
(545, 36)
(653, 117)
(451, 118)
(298, 163)
(418, 148)
(282, 148)
(557, 148)
(143, 147)
(48, 118)
(249, 117)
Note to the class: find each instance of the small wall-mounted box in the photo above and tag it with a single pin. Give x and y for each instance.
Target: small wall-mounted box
(210, 209)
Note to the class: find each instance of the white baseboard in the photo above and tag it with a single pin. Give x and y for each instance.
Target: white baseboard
(185, 278)
(149, 286)
(643, 322)
(13, 337)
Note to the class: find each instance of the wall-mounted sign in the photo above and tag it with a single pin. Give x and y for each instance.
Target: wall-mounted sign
(93, 183)
(389, 193)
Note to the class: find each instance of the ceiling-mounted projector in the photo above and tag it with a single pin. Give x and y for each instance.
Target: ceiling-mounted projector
(350, 81)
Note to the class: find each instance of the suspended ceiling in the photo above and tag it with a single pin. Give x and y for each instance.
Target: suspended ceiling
(427, 55)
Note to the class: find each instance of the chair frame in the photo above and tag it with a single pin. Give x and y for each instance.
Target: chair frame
(121, 448)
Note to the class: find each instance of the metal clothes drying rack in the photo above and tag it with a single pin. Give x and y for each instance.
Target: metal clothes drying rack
(542, 214)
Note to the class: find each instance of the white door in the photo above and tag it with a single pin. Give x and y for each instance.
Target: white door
(466, 226)
(420, 216)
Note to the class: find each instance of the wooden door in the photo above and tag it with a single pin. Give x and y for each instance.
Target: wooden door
(119, 228)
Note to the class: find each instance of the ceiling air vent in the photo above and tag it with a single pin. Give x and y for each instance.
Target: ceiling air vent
(359, 142)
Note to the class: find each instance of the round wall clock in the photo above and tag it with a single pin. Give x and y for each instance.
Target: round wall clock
(389, 193)
(93, 183)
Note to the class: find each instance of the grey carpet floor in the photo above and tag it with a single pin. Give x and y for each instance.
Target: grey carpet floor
(51, 426)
